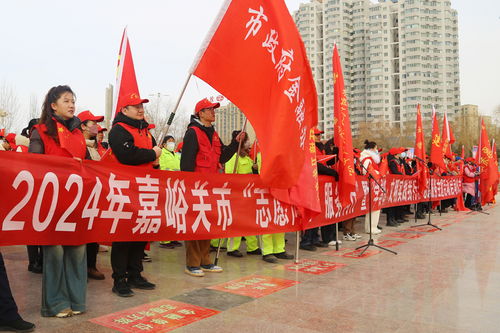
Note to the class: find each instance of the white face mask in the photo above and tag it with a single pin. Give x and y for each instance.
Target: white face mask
(170, 146)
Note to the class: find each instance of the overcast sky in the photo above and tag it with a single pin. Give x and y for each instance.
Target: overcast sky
(46, 43)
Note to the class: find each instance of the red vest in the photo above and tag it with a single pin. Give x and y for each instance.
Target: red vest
(100, 149)
(142, 139)
(373, 164)
(207, 159)
(71, 144)
(467, 179)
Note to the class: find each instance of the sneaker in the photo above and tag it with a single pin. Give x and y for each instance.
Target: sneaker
(270, 258)
(194, 271)
(349, 237)
(357, 236)
(284, 255)
(333, 243)
(93, 273)
(308, 247)
(379, 227)
(139, 282)
(257, 251)
(66, 313)
(122, 289)
(18, 325)
(211, 268)
(376, 232)
(76, 313)
(146, 258)
(235, 253)
(321, 244)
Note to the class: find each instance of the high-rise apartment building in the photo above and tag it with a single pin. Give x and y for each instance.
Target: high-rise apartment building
(395, 54)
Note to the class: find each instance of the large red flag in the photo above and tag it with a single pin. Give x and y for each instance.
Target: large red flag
(420, 153)
(436, 143)
(342, 132)
(126, 82)
(255, 57)
(495, 160)
(488, 176)
(445, 136)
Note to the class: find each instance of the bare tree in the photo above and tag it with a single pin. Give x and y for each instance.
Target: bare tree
(9, 106)
(34, 109)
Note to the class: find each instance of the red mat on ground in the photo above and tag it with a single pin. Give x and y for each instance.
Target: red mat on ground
(156, 317)
(254, 285)
(315, 267)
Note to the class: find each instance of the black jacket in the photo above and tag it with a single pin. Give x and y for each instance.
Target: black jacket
(190, 146)
(122, 142)
(393, 164)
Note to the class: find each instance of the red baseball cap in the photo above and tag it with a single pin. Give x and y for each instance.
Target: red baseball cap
(205, 104)
(101, 129)
(397, 150)
(87, 115)
(317, 131)
(11, 138)
(132, 99)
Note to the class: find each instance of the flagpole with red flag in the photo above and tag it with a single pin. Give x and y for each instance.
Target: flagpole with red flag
(488, 172)
(420, 153)
(436, 143)
(255, 57)
(342, 133)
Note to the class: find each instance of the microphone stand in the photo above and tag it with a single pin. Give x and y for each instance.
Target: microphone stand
(430, 197)
(370, 241)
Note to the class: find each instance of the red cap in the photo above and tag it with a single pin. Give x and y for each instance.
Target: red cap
(470, 160)
(11, 138)
(87, 115)
(101, 129)
(398, 150)
(205, 104)
(448, 156)
(132, 99)
(317, 131)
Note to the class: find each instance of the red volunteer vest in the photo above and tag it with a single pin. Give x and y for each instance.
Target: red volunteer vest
(100, 149)
(142, 139)
(71, 144)
(207, 159)
(373, 164)
(467, 179)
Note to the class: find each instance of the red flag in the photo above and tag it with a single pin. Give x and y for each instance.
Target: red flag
(488, 169)
(495, 160)
(420, 153)
(436, 144)
(126, 82)
(256, 58)
(445, 136)
(342, 132)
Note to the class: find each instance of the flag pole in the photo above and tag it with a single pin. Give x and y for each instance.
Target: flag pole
(172, 114)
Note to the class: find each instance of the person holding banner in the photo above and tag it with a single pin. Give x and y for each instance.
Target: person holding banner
(370, 159)
(131, 144)
(64, 283)
(203, 151)
(90, 130)
(469, 182)
(245, 166)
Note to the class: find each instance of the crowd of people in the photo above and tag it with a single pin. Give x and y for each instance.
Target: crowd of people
(60, 132)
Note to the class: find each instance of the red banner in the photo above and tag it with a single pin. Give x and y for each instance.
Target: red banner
(57, 200)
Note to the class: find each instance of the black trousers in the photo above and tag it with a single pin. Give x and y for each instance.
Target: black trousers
(310, 237)
(328, 233)
(8, 307)
(126, 259)
(35, 255)
(92, 249)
